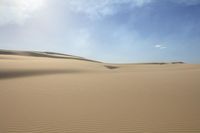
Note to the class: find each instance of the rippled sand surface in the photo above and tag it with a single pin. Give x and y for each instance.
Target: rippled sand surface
(70, 95)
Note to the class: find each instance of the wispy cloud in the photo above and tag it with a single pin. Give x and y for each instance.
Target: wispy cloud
(99, 8)
(18, 11)
(160, 46)
(187, 2)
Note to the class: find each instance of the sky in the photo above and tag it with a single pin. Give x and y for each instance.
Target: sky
(115, 31)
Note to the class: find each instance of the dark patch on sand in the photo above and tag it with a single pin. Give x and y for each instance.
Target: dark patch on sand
(178, 62)
(111, 67)
(30, 73)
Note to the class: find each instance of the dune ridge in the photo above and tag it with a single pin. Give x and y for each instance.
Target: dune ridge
(43, 54)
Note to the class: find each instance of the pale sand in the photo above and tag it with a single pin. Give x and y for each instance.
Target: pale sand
(52, 95)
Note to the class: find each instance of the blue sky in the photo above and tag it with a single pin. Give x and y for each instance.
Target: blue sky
(119, 31)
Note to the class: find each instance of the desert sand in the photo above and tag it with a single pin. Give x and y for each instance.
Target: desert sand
(56, 93)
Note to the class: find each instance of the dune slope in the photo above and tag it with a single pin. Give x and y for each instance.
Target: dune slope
(56, 93)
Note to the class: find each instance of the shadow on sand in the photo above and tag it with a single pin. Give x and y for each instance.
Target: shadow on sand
(29, 73)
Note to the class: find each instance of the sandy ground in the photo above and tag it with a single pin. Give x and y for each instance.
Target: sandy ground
(52, 95)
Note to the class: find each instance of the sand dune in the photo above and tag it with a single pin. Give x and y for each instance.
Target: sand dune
(45, 92)
(42, 54)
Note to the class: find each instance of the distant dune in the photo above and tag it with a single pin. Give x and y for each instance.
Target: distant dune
(42, 54)
(47, 92)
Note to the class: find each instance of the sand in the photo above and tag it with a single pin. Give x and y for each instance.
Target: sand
(68, 94)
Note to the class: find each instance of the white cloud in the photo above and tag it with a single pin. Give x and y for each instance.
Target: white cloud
(160, 47)
(18, 11)
(98, 8)
(95, 9)
(187, 2)
(157, 46)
